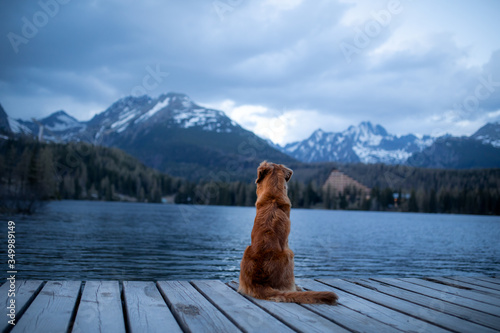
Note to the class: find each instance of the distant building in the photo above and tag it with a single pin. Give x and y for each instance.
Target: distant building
(338, 182)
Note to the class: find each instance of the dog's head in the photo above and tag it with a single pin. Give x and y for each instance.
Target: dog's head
(272, 176)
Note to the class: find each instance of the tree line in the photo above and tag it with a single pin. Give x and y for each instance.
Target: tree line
(32, 173)
(448, 201)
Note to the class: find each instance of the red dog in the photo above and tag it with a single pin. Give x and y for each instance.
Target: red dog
(267, 264)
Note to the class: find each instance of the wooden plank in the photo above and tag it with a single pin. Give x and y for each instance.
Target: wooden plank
(192, 310)
(146, 309)
(100, 308)
(52, 309)
(343, 315)
(296, 316)
(459, 311)
(438, 318)
(391, 320)
(489, 279)
(25, 292)
(462, 284)
(442, 295)
(471, 294)
(247, 316)
(494, 286)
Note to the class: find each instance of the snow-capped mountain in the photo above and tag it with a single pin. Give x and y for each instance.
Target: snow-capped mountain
(170, 133)
(363, 143)
(174, 134)
(126, 116)
(57, 127)
(489, 134)
(132, 114)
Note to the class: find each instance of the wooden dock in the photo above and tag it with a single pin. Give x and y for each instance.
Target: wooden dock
(434, 304)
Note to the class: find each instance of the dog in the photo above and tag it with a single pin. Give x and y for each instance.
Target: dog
(267, 265)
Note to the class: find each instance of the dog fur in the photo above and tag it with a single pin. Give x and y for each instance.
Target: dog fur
(267, 264)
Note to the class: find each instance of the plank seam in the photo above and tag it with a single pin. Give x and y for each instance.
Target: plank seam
(426, 306)
(75, 309)
(270, 313)
(170, 306)
(392, 308)
(434, 297)
(447, 283)
(217, 307)
(347, 328)
(468, 297)
(471, 319)
(485, 280)
(474, 283)
(20, 313)
(124, 308)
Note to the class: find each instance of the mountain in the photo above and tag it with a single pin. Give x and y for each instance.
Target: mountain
(170, 133)
(480, 150)
(4, 122)
(175, 135)
(489, 134)
(457, 153)
(364, 143)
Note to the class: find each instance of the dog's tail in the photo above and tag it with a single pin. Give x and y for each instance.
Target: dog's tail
(304, 297)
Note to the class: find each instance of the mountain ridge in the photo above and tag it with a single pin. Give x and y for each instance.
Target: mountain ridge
(364, 143)
(170, 133)
(174, 134)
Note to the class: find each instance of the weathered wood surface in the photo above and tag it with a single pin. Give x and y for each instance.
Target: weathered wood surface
(434, 304)
(25, 292)
(99, 307)
(51, 310)
(146, 309)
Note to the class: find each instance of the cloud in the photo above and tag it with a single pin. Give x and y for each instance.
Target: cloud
(281, 126)
(274, 60)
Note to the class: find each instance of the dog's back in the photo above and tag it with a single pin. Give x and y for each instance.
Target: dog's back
(267, 264)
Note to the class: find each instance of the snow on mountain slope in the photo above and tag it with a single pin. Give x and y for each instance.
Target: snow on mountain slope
(489, 134)
(363, 143)
(158, 106)
(126, 117)
(17, 127)
(60, 121)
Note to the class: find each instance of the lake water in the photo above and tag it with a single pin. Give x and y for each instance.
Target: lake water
(112, 240)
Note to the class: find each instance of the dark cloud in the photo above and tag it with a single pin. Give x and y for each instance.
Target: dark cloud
(279, 54)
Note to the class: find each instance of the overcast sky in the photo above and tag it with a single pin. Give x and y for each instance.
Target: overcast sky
(281, 68)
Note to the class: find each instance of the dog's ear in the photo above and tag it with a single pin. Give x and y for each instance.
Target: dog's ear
(262, 171)
(288, 172)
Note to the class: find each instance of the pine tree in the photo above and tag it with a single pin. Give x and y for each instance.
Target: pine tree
(412, 204)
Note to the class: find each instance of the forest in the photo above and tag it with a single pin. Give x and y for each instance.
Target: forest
(32, 173)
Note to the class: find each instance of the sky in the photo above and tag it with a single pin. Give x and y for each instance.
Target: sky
(281, 68)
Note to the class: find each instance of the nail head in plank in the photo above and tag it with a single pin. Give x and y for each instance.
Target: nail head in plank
(52, 308)
(24, 293)
(100, 308)
(244, 313)
(193, 311)
(146, 309)
(296, 316)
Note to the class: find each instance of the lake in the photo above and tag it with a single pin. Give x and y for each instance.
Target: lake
(86, 240)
